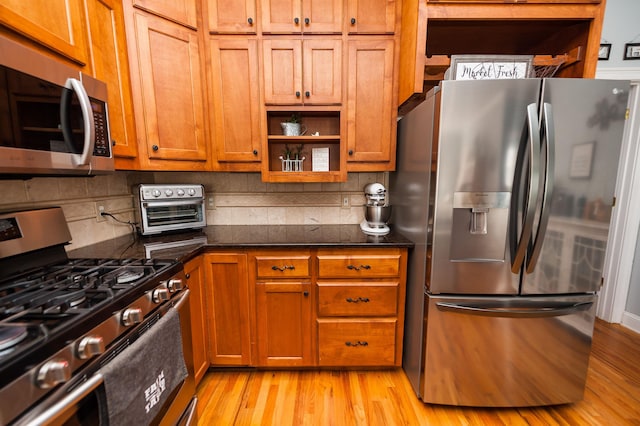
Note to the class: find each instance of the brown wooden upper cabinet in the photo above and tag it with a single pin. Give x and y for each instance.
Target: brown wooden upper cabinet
(58, 25)
(561, 34)
(110, 64)
(371, 116)
(168, 92)
(298, 72)
(371, 16)
(235, 115)
(237, 16)
(301, 16)
(181, 11)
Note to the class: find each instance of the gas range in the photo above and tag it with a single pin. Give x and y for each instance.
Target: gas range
(41, 309)
(61, 319)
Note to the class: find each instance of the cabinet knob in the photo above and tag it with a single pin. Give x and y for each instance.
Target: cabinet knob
(155, 147)
(306, 21)
(297, 93)
(113, 142)
(296, 20)
(255, 152)
(353, 21)
(187, 275)
(350, 152)
(250, 21)
(307, 93)
(305, 293)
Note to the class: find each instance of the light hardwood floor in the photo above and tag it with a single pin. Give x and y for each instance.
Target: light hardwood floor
(385, 397)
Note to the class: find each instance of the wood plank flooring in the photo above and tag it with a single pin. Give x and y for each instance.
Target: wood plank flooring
(385, 397)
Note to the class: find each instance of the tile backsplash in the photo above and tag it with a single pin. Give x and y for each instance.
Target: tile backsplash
(232, 199)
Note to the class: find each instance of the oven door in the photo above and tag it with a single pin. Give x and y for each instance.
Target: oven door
(161, 216)
(85, 403)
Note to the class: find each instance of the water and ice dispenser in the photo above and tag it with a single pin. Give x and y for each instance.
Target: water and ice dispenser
(479, 226)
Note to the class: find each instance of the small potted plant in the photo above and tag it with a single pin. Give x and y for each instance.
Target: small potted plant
(293, 127)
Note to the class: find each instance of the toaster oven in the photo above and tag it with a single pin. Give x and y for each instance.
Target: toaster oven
(172, 207)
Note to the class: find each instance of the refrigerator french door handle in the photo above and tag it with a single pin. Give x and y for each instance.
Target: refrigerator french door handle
(548, 146)
(532, 194)
(515, 312)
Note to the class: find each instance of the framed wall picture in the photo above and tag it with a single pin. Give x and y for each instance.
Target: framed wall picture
(604, 52)
(631, 51)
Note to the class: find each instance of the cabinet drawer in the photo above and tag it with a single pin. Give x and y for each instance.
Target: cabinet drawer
(370, 265)
(283, 266)
(357, 343)
(357, 299)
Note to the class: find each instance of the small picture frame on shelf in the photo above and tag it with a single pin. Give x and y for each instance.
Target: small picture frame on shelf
(604, 51)
(320, 159)
(631, 51)
(489, 67)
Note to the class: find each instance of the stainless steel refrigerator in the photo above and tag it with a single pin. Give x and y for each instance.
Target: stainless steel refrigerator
(510, 219)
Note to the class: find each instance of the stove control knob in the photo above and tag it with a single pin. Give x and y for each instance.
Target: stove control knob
(168, 192)
(131, 316)
(90, 346)
(160, 294)
(180, 192)
(175, 285)
(53, 373)
(191, 191)
(156, 193)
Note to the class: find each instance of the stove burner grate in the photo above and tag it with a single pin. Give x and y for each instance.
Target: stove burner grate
(11, 336)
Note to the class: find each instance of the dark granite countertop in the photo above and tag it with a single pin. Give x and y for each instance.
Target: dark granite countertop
(183, 246)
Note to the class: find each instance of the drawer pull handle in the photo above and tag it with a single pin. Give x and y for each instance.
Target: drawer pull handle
(358, 300)
(283, 268)
(358, 343)
(357, 268)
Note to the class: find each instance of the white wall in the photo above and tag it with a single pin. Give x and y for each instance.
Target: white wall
(621, 294)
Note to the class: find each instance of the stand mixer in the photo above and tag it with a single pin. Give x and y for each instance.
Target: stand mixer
(376, 211)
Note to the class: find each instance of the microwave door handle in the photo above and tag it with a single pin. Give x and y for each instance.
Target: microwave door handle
(84, 158)
(548, 130)
(532, 193)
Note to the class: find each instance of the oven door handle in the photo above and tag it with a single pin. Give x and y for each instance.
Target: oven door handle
(181, 299)
(71, 399)
(171, 203)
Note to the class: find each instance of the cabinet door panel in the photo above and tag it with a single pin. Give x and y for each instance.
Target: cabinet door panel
(234, 69)
(181, 11)
(232, 16)
(279, 16)
(282, 71)
(370, 119)
(322, 68)
(324, 16)
(170, 84)
(372, 16)
(284, 324)
(111, 65)
(195, 280)
(58, 24)
(227, 299)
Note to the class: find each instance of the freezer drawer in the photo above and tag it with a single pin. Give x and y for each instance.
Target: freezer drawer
(507, 351)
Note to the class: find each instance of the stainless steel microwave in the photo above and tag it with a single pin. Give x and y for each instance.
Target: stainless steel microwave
(53, 119)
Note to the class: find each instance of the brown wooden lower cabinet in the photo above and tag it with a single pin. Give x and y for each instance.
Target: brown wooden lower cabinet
(339, 307)
(357, 342)
(228, 309)
(194, 273)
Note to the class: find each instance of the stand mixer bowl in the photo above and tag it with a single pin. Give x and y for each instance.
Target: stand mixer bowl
(377, 216)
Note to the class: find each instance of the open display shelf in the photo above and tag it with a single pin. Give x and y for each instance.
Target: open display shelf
(321, 130)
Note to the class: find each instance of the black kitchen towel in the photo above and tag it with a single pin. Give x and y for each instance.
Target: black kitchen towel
(141, 378)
